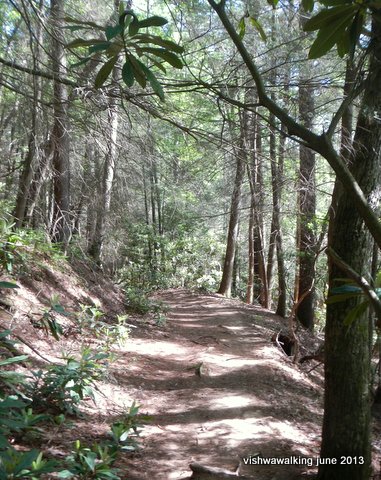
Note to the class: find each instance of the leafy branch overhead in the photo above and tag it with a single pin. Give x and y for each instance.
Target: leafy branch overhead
(128, 40)
(339, 22)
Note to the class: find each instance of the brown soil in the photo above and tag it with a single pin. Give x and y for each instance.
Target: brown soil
(217, 388)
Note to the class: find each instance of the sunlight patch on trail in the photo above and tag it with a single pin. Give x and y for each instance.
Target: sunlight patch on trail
(158, 347)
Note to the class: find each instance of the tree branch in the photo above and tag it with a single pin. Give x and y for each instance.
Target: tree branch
(37, 72)
(319, 143)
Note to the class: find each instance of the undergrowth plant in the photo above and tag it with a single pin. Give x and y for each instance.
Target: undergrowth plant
(91, 318)
(63, 386)
(19, 247)
(137, 300)
(96, 462)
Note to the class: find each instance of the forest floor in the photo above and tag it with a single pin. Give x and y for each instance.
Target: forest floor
(218, 390)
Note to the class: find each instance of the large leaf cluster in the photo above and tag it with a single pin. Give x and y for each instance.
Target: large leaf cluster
(129, 38)
(339, 23)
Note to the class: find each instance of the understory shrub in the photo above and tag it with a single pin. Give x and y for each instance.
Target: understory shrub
(61, 387)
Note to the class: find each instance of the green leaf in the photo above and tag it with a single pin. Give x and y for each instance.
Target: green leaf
(138, 72)
(347, 288)
(308, 5)
(128, 74)
(242, 27)
(8, 361)
(65, 474)
(341, 298)
(60, 309)
(134, 26)
(154, 21)
(8, 285)
(355, 32)
(343, 45)
(99, 47)
(329, 36)
(155, 84)
(12, 402)
(81, 62)
(81, 22)
(155, 40)
(169, 57)
(82, 42)
(355, 313)
(112, 32)
(157, 64)
(104, 72)
(124, 15)
(330, 16)
(258, 27)
(90, 460)
(26, 460)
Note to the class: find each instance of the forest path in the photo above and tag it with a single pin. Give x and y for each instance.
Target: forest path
(218, 390)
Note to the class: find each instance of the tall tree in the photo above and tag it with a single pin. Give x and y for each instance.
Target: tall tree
(231, 243)
(60, 229)
(306, 240)
(345, 434)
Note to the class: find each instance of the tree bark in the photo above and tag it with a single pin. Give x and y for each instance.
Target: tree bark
(27, 173)
(60, 133)
(348, 347)
(227, 274)
(277, 180)
(306, 241)
(95, 249)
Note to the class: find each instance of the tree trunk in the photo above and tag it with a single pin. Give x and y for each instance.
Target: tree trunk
(30, 158)
(348, 347)
(96, 246)
(227, 274)
(60, 133)
(307, 204)
(277, 180)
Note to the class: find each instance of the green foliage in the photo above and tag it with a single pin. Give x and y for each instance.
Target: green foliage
(349, 291)
(19, 248)
(10, 379)
(62, 387)
(8, 285)
(185, 259)
(125, 431)
(95, 462)
(126, 38)
(255, 23)
(16, 417)
(29, 464)
(340, 23)
(117, 332)
(138, 301)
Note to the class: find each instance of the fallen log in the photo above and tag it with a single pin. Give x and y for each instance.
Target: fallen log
(204, 472)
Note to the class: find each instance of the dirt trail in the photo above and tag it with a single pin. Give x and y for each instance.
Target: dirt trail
(218, 390)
